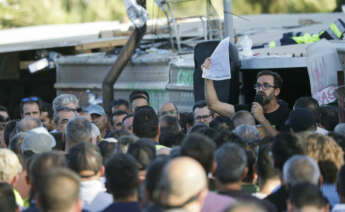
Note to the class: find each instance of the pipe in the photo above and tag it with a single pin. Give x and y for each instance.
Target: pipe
(121, 61)
(228, 20)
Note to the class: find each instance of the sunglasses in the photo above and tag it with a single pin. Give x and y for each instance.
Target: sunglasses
(30, 99)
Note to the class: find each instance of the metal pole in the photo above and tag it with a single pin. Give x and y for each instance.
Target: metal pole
(228, 21)
(124, 56)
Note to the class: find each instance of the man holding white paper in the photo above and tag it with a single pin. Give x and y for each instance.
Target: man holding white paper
(270, 112)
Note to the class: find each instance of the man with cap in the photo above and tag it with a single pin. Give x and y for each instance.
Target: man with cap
(38, 140)
(301, 119)
(99, 118)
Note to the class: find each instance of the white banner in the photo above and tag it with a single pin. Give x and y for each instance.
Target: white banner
(323, 63)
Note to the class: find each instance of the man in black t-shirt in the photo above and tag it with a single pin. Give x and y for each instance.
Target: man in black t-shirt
(268, 111)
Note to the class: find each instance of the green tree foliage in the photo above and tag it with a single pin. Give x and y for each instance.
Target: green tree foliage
(17, 13)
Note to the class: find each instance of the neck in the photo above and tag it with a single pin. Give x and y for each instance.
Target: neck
(193, 207)
(271, 106)
(131, 198)
(230, 186)
(270, 184)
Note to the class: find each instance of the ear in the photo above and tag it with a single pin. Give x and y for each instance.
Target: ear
(320, 181)
(27, 179)
(277, 91)
(101, 171)
(255, 173)
(141, 177)
(245, 172)
(213, 168)
(14, 180)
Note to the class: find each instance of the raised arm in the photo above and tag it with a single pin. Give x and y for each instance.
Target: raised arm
(211, 96)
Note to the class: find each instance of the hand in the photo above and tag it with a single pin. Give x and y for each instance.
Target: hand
(206, 65)
(257, 111)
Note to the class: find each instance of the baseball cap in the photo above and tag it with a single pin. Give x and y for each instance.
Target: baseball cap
(37, 140)
(95, 109)
(301, 119)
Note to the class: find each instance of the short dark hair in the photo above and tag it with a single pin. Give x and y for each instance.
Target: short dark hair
(199, 104)
(341, 181)
(8, 130)
(172, 123)
(118, 102)
(117, 134)
(231, 162)
(136, 93)
(171, 134)
(222, 122)
(170, 138)
(121, 174)
(153, 176)
(7, 198)
(59, 190)
(307, 194)
(310, 103)
(85, 156)
(207, 131)
(284, 146)
(278, 80)
(186, 118)
(328, 117)
(145, 122)
(226, 136)
(265, 164)
(201, 148)
(144, 151)
(46, 107)
(106, 149)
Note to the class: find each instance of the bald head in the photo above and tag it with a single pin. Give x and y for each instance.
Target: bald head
(243, 117)
(28, 123)
(168, 109)
(183, 182)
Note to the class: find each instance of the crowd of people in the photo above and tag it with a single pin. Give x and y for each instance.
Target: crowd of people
(260, 157)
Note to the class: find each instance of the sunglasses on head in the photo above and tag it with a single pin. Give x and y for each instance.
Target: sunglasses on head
(30, 99)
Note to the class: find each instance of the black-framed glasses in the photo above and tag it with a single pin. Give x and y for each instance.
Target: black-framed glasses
(264, 86)
(30, 99)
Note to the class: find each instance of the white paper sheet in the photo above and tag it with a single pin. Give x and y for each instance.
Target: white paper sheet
(220, 63)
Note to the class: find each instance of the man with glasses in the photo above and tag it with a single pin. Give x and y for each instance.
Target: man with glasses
(268, 111)
(202, 113)
(30, 106)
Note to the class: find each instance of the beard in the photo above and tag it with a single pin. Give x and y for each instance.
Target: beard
(266, 99)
